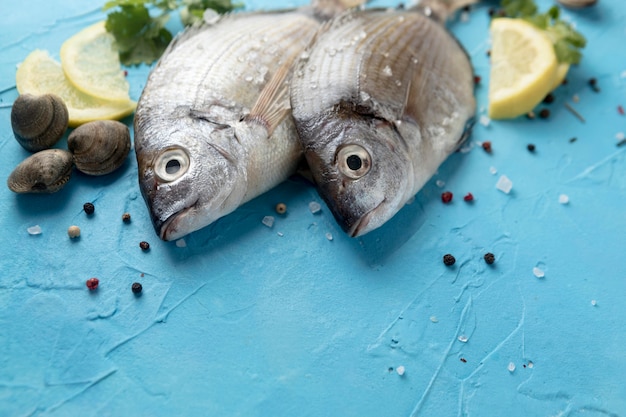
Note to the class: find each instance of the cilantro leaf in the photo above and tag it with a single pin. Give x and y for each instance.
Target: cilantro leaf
(141, 37)
(567, 40)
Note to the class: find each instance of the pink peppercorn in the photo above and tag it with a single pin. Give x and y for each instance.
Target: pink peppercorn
(468, 197)
(446, 197)
(92, 283)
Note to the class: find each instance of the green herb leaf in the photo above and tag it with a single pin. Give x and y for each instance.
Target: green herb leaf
(567, 40)
(142, 37)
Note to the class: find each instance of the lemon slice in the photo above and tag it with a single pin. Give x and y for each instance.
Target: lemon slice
(91, 63)
(40, 74)
(523, 68)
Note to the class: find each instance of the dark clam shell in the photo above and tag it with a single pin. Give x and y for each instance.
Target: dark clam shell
(99, 147)
(46, 171)
(38, 122)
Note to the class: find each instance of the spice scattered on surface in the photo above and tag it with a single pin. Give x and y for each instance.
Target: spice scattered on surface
(511, 367)
(574, 112)
(73, 232)
(34, 230)
(268, 221)
(575, 98)
(544, 113)
(446, 197)
(126, 217)
(504, 184)
(530, 115)
(486, 146)
(484, 120)
(89, 208)
(489, 52)
(400, 370)
(489, 258)
(530, 147)
(477, 79)
(144, 245)
(92, 283)
(493, 170)
(531, 364)
(468, 197)
(463, 338)
(329, 236)
(620, 136)
(572, 140)
(593, 83)
(563, 199)
(620, 110)
(315, 207)
(181, 243)
(448, 259)
(594, 303)
(434, 319)
(549, 98)
(538, 272)
(280, 234)
(463, 360)
(440, 183)
(136, 288)
(281, 208)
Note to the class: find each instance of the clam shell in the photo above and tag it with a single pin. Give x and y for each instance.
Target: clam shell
(38, 122)
(46, 171)
(577, 3)
(99, 147)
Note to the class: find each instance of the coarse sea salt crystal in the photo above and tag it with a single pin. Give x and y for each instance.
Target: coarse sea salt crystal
(620, 136)
(434, 319)
(34, 230)
(493, 170)
(329, 236)
(538, 272)
(563, 199)
(268, 221)
(594, 303)
(181, 243)
(484, 120)
(463, 339)
(464, 17)
(511, 367)
(400, 370)
(504, 184)
(623, 74)
(315, 207)
(440, 183)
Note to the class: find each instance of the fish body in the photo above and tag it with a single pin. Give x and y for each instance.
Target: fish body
(381, 100)
(212, 127)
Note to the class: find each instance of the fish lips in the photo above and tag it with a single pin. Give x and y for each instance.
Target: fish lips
(169, 229)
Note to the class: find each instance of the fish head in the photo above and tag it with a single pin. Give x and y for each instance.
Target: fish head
(362, 170)
(188, 174)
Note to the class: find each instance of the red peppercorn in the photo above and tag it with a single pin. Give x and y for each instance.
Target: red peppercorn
(125, 73)
(468, 197)
(477, 79)
(620, 110)
(92, 283)
(486, 146)
(446, 196)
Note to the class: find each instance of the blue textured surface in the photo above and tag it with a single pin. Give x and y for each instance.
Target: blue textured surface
(243, 321)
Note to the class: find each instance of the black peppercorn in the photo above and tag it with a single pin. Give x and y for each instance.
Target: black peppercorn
(448, 259)
(549, 98)
(544, 113)
(126, 217)
(136, 288)
(144, 245)
(89, 208)
(531, 147)
(489, 258)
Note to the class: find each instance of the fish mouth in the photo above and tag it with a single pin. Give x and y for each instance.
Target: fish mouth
(363, 222)
(169, 228)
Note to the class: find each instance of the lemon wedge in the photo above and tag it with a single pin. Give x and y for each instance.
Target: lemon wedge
(524, 68)
(40, 74)
(91, 63)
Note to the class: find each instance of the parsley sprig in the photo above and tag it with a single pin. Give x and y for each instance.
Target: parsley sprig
(139, 25)
(567, 40)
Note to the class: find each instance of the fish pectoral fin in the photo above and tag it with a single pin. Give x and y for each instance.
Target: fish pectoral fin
(272, 106)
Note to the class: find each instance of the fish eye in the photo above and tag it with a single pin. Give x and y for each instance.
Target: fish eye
(353, 161)
(171, 164)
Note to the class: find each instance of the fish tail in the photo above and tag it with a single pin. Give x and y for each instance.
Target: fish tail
(441, 10)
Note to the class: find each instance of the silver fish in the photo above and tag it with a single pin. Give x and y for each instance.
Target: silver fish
(381, 101)
(213, 127)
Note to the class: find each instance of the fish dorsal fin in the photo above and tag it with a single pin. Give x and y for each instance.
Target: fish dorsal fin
(272, 105)
(327, 9)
